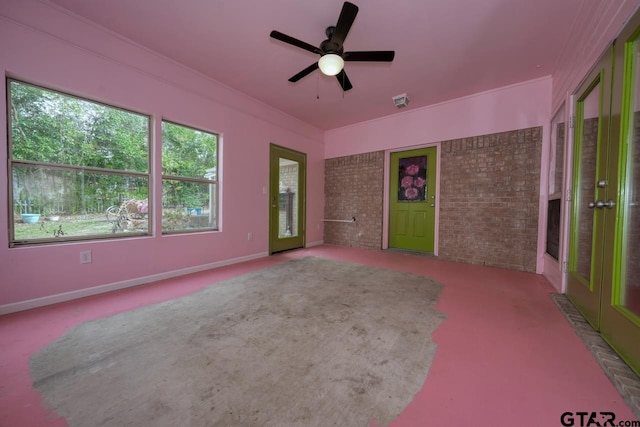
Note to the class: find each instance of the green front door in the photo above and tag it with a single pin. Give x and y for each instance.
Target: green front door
(287, 185)
(412, 200)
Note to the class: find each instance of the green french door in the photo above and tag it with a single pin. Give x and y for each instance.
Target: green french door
(287, 185)
(412, 200)
(604, 261)
(590, 187)
(620, 324)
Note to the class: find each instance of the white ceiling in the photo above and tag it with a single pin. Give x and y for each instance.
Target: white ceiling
(445, 49)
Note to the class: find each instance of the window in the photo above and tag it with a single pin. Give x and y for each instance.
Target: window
(78, 169)
(556, 163)
(189, 179)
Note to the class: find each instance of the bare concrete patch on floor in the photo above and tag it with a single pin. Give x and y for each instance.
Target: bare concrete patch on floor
(619, 373)
(310, 342)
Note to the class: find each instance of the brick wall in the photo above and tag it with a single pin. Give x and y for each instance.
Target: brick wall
(489, 194)
(354, 187)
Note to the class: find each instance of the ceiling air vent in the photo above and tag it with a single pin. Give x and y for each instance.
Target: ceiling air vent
(401, 101)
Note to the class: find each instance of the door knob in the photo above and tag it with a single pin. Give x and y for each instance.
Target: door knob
(609, 204)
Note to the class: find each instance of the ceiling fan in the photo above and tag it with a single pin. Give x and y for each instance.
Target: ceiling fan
(331, 51)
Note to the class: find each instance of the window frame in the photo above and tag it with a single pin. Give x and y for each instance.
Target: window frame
(556, 165)
(12, 162)
(215, 189)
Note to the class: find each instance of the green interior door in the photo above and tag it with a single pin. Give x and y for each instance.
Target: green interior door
(620, 324)
(590, 172)
(412, 200)
(287, 184)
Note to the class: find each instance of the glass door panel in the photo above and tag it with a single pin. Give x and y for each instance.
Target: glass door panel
(288, 197)
(630, 280)
(587, 155)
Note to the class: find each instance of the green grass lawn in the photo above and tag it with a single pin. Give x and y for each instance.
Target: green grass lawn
(81, 225)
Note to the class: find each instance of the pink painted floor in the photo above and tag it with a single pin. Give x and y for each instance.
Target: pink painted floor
(506, 355)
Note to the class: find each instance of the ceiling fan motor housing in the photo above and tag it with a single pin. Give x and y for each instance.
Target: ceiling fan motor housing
(329, 46)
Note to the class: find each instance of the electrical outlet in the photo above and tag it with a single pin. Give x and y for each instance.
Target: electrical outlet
(250, 236)
(85, 257)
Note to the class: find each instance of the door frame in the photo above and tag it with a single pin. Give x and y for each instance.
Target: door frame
(277, 244)
(386, 199)
(554, 269)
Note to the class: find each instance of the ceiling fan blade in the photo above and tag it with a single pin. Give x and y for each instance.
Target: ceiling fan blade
(344, 81)
(347, 16)
(295, 42)
(311, 68)
(372, 55)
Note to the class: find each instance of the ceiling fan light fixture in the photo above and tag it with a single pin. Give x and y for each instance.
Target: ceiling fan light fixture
(331, 64)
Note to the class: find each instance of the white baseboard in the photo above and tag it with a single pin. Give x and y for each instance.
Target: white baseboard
(316, 243)
(109, 287)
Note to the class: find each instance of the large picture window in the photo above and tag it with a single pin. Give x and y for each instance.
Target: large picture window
(189, 179)
(78, 169)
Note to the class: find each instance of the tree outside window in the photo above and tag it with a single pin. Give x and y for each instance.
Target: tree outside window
(70, 160)
(189, 179)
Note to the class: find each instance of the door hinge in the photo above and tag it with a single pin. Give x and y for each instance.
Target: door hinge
(568, 198)
(572, 122)
(565, 267)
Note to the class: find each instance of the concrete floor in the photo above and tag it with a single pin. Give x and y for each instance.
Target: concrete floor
(506, 355)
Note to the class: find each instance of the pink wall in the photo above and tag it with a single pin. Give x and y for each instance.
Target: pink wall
(518, 106)
(597, 23)
(53, 49)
